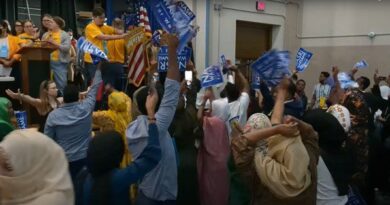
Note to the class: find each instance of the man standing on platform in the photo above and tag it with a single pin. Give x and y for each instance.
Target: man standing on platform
(98, 34)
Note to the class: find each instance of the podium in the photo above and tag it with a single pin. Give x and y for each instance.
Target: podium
(35, 68)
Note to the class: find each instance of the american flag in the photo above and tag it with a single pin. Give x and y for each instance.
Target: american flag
(138, 64)
(142, 17)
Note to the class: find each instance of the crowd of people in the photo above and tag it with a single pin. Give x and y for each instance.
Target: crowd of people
(173, 142)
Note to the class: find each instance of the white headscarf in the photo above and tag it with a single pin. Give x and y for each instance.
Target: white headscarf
(342, 114)
(38, 170)
(220, 109)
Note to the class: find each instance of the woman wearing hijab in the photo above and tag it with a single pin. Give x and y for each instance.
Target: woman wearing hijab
(185, 130)
(6, 112)
(117, 117)
(106, 183)
(279, 162)
(357, 139)
(33, 170)
(336, 166)
(213, 152)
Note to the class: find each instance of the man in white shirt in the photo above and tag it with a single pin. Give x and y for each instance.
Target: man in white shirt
(238, 98)
(321, 93)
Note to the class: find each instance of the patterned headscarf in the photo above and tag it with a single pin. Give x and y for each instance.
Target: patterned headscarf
(357, 106)
(341, 113)
(258, 121)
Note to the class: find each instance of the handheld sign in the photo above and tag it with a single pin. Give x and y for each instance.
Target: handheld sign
(87, 47)
(255, 80)
(346, 81)
(135, 37)
(211, 76)
(182, 59)
(272, 66)
(175, 18)
(303, 59)
(361, 64)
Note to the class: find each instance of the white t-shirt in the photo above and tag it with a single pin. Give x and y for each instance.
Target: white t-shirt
(327, 192)
(321, 91)
(4, 49)
(239, 108)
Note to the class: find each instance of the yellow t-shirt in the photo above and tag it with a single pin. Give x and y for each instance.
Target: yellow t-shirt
(26, 37)
(116, 51)
(56, 36)
(91, 32)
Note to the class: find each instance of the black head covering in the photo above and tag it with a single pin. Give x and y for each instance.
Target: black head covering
(332, 136)
(104, 154)
(331, 133)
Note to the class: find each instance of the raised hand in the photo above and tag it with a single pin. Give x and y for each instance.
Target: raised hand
(288, 130)
(12, 94)
(151, 102)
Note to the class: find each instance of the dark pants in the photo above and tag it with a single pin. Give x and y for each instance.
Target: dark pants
(75, 167)
(143, 200)
(89, 72)
(112, 74)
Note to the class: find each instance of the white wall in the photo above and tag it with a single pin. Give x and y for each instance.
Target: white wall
(333, 19)
(217, 33)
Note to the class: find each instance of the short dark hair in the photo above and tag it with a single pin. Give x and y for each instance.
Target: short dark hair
(4, 24)
(71, 93)
(232, 92)
(366, 82)
(326, 74)
(98, 11)
(142, 94)
(301, 80)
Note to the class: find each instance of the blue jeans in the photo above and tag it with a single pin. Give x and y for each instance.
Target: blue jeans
(144, 200)
(60, 71)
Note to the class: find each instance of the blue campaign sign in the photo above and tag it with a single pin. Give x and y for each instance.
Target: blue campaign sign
(182, 59)
(346, 81)
(163, 14)
(175, 18)
(87, 47)
(211, 76)
(255, 79)
(361, 64)
(303, 59)
(272, 66)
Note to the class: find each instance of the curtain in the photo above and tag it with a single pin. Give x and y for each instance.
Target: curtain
(8, 10)
(66, 9)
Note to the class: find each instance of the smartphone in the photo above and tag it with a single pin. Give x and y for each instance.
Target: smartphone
(188, 75)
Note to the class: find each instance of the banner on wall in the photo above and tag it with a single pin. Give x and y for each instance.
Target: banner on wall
(303, 59)
(272, 67)
(211, 76)
(182, 59)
